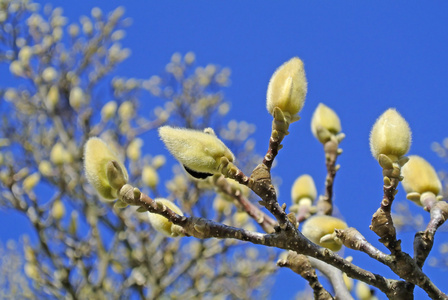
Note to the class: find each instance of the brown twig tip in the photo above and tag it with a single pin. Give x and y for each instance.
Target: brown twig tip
(383, 226)
(351, 238)
(301, 265)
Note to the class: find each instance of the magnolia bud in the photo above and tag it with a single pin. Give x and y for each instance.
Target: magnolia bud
(158, 161)
(108, 110)
(287, 89)
(363, 291)
(45, 168)
(52, 97)
(76, 98)
(58, 154)
(201, 153)
(390, 135)
(126, 110)
(58, 210)
(30, 182)
(320, 229)
(134, 149)
(25, 54)
(150, 177)
(16, 68)
(325, 123)
(162, 224)
(420, 176)
(104, 176)
(49, 74)
(303, 187)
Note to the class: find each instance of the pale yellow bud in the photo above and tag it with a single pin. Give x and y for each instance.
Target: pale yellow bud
(363, 291)
(25, 54)
(97, 163)
(287, 88)
(76, 98)
(303, 187)
(32, 271)
(16, 68)
(420, 176)
(53, 97)
(134, 149)
(160, 223)
(30, 182)
(158, 161)
(201, 153)
(390, 135)
(221, 205)
(73, 30)
(348, 281)
(319, 226)
(150, 176)
(10, 95)
(58, 154)
(126, 110)
(108, 110)
(325, 122)
(49, 74)
(58, 210)
(189, 58)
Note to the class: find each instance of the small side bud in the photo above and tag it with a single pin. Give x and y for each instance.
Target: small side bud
(58, 210)
(101, 164)
(320, 226)
(419, 177)
(325, 123)
(390, 135)
(303, 187)
(287, 89)
(199, 152)
(162, 224)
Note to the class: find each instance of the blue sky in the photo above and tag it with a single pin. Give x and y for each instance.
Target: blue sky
(361, 57)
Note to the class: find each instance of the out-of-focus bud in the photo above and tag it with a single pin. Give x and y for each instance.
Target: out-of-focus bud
(221, 205)
(32, 271)
(150, 176)
(158, 161)
(52, 97)
(25, 55)
(58, 210)
(30, 182)
(126, 110)
(347, 281)
(76, 98)
(49, 74)
(303, 187)
(189, 58)
(390, 136)
(73, 30)
(287, 89)
(134, 149)
(160, 223)
(59, 155)
(320, 230)
(16, 68)
(325, 123)
(419, 178)
(201, 153)
(108, 111)
(104, 170)
(364, 292)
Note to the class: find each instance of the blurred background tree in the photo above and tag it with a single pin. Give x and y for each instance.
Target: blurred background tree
(66, 90)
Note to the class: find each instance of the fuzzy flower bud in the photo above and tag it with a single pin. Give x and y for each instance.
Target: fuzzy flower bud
(76, 98)
(420, 177)
(201, 153)
(58, 210)
(30, 182)
(25, 54)
(49, 74)
(390, 135)
(325, 123)
(45, 168)
(59, 155)
(134, 149)
(53, 97)
(108, 110)
(287, 89)
(104, 170)
(162, 224)
(320, 230)
(303, 187)
(150, 177)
